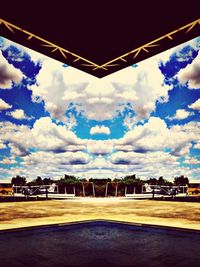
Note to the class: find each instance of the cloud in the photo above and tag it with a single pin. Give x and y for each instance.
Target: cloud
(18, 114)
(2, 145)
(18, 149)
(140, 151)
(99, 163)
(42, 159)
(18, 137)
(64, 89)
(8, 74)
(150, 136)
(7, 161)
(150, 148)
(191, 160)
(191, 74)
(99, 147)
(49, 164)
(4, 105)
(19, 141)
(180, 51)
(133, 158)
(100, 130)
(100, 167)
(152, 164)
(182, 137)
(154, 135)
(144, 84)
(195, 105)
(18, 55)
(71, 122)
(180, 114)
(197, 146)
(44, 135)
(58, 87)
(57, 138)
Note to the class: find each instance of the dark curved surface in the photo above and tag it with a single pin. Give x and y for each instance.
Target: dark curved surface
(99, 243)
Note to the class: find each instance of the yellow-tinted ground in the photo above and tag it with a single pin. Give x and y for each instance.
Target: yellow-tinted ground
(32, 213)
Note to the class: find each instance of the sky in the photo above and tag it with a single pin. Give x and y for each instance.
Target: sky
(56, 120)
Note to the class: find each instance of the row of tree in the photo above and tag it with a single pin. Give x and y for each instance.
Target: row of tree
(100, 187)
(127, 180)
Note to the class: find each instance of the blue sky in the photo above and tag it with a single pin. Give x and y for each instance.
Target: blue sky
(56, 120)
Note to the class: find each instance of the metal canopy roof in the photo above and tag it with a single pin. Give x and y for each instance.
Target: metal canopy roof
(99, 39)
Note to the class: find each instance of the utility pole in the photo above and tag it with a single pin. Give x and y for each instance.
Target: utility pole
(116, 190)
(106, 192)
(46, 193)
(83, 189)
(74, 190)
(93, 189)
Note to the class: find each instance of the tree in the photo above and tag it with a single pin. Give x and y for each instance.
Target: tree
(68, 183)
(38, 181)
(167, 183)
(132, 183)
(152, 181)
(48, 181)
(181, 180)
(161, 181)
(70, 177)
(130, 177)
(18, 180)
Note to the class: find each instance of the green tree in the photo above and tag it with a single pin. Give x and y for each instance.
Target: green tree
(67, 183)
(152, 181)
(39, 181)
(181, 180)
(167, 183)
(132, 183)
(161, 180)
(18, 180)
(48, 181)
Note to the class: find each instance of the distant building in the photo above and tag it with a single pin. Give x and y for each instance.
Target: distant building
(194, 188)
(6, 188)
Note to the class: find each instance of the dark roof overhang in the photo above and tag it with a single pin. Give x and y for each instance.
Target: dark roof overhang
(100, 41)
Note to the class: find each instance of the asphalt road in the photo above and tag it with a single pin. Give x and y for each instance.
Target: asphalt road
(99, 244)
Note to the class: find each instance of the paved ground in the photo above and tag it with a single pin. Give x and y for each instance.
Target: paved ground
(32, 213)
(99, 244)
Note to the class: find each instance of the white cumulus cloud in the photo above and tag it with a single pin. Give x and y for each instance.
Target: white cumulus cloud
(150, 136)
(195, 105)
(7, 161)
(4, 105)
(100, 99)
(154, 135)
(99, 147)
(45, 135)
(50, 136)
(141, 86)
(8, 74)
(100, 130)
(19, 138)
(44, 158)
(191, 160)
(181, 137)
(18, 114)
(181, 114)
(191, 74)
